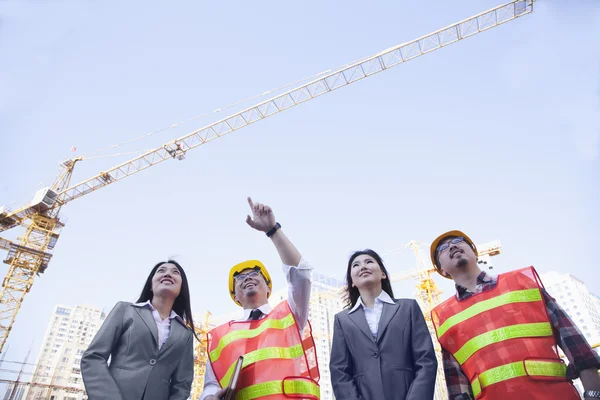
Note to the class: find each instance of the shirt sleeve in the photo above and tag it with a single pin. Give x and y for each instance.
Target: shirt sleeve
(459, 387)
(299, 285)
(211, 385)
(570, 339)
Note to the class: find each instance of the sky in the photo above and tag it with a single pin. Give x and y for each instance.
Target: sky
(497, 135)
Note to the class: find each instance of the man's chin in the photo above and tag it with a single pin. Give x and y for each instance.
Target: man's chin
(462, 262)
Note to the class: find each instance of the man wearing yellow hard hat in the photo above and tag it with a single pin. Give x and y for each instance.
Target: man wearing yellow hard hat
(499, 335)
(276, 343)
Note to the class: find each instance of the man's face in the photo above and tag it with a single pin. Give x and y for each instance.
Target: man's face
(251, 287)
(455, 255)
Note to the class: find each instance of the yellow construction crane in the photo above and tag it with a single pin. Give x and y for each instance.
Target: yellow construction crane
(40, 218)
(200, 356)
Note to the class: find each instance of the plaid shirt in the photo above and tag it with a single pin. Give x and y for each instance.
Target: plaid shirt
(567, 335)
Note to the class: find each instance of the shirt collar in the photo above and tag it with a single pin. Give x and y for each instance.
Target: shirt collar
(265, 308)
(383, 298)
(482, 278)
(149, 305)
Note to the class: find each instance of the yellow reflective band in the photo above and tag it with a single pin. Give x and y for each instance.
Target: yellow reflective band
(539, 329)
(518, 369)
(518, 296)
(263, 354)
(292, 386)
(282, 323)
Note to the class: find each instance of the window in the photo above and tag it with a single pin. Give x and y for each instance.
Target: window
(62, 311)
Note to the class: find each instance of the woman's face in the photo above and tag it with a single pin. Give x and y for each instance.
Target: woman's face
(167, 281)
(365, 271)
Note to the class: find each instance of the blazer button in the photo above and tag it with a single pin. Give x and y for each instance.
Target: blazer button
(375, 354)
(152, 361)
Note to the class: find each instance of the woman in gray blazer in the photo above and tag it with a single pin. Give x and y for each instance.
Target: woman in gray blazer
(150, 343)
(381, 349)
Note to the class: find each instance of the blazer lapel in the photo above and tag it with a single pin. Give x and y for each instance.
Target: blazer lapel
(358, 317)
(389, 310)
(175, 333)
(148, 319)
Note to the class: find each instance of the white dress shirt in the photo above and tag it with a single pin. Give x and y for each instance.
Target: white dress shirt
(373, 315)
(299, 284)
(163, 325)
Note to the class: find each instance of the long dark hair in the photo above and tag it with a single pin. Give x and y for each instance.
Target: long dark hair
(182, 305)
(351, 294)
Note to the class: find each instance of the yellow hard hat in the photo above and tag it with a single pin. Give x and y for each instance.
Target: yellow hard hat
(250, 264)
(436, 242)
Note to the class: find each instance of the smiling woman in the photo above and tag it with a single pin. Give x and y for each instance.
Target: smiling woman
(381, 346)
(150, 343)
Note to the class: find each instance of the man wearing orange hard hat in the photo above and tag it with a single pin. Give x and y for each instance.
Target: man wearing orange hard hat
(276, 343)
(499, 335)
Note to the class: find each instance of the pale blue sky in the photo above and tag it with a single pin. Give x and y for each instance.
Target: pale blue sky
(498, 135)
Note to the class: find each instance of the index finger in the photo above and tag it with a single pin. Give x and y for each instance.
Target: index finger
(250, 203)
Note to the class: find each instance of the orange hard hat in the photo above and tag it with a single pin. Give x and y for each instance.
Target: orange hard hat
(436, 242)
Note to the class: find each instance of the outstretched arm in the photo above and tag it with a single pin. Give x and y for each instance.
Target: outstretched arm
(263, 220)
(296, 269)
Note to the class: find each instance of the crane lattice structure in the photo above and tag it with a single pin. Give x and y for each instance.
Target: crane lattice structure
(200, 356)
(40, 218)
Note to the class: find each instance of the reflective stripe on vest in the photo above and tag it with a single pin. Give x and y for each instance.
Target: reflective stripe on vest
(516, 370)
(263, 354)
(539, 329)
(294, 387)
(279, 360)
(504, 341)
(282, 323)
(517, 296)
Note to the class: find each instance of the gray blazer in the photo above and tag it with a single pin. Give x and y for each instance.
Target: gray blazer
(137, 368)
(399, 364)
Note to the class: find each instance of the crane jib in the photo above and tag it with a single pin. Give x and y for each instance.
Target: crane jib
(32, 254)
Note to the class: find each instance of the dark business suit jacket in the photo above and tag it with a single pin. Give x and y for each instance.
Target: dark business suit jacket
(399, 364)
(130, 337)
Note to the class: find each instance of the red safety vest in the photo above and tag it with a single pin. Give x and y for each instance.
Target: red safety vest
(503, 340)
(278, 362)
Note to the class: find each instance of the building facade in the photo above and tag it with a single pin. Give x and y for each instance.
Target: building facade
(582, 306)
(69, 333)
(15, 392)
